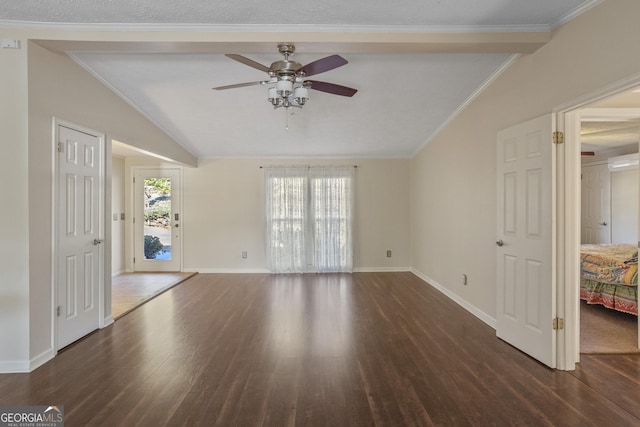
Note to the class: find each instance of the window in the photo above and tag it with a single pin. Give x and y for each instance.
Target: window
(309, 215)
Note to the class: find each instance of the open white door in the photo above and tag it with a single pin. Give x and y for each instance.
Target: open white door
(157, 220)
(80, 253)
(525, 240)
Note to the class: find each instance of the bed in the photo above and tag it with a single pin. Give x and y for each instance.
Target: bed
(609, 276)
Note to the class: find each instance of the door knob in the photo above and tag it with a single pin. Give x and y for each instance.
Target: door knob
(603, 223)
(96, 242)
(500, 243)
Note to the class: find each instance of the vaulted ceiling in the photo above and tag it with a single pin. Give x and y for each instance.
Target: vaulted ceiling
(415, 63)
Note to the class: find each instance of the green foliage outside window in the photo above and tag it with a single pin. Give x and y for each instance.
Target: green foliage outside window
(152, 246)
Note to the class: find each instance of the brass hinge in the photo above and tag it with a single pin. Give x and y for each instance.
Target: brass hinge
(558, 323)
(58, 310)
(558, 137)
(60, 147)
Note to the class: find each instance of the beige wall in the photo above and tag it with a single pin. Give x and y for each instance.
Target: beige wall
(454, 180)
(14, 219)
(60, 88)
(223, 213)
(624, 207)
(38, 85)
(117, 207)
(224, 208)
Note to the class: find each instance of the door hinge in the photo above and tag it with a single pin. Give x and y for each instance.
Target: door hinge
(58, 310)
(60, 147)
(134, 260)
(558, 137)
(558, 323)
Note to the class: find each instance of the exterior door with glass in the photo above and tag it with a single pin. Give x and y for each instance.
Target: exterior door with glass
(157, 243)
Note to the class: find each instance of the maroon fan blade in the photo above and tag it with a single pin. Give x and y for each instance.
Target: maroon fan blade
(239, 85)
(331, 88)
(249, 62)
(322, 65)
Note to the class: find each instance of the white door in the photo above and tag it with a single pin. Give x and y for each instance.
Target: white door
(596, 204)
(80, 253)
(157, 220)
(525, 242)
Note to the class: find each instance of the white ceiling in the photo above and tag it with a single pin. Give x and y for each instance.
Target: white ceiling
(403, 98)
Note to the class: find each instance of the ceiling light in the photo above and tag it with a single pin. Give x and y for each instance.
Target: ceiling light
(287, 84)
(623, 163)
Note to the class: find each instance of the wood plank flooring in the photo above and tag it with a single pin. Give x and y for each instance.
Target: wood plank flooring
(319, 350)
(131, 290)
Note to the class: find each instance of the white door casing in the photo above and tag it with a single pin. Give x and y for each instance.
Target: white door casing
(596, 204)
(525, 238)
(80, 225)
(174, 263)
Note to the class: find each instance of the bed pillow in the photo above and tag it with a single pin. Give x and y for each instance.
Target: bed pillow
(633, 259)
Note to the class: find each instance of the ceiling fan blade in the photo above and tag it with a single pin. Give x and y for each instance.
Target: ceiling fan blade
(587, 153)
(332, 88)
(249, 62)
(239, 85)
(322, 65)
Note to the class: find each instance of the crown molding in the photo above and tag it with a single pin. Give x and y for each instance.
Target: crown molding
(250, 28)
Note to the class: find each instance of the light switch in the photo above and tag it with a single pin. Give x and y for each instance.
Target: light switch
(10, 44)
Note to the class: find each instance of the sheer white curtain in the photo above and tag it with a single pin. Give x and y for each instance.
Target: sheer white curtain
(331, 208)
(309, 215)
(286, 205)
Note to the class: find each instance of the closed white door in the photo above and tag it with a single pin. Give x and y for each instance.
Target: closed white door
(525, 242)
(80, 254)
(157, 220)
(596, 204)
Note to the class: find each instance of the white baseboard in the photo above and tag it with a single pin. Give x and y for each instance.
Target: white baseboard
(458, 300)
(26, 366)
(381, 269)
(227, 270)
(107, 321)
(265, 271)
(41, 359)
(14, 366)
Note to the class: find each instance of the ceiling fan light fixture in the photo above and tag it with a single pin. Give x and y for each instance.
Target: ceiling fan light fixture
(284, 87)
(287, 84)
(301, 95)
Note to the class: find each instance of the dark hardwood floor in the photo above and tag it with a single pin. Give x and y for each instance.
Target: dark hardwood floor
(336, 350)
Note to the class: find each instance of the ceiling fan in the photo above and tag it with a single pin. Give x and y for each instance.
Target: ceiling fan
(288, 86)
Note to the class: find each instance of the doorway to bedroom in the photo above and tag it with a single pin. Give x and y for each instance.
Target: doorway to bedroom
(609, 137)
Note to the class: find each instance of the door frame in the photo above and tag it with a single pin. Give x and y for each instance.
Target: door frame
(568, 217)
(133, 171)
(55, 205)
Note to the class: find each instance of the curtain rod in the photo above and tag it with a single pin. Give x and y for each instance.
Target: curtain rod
(300, 166)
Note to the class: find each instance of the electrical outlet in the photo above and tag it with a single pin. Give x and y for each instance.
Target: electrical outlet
(244, 254)
(464, 279)
(389, 254)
